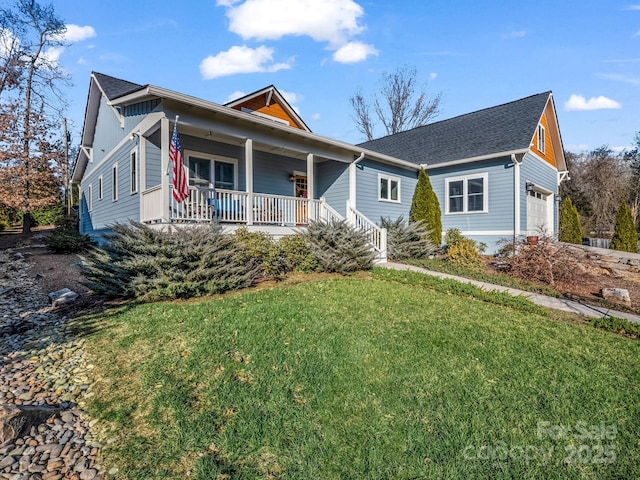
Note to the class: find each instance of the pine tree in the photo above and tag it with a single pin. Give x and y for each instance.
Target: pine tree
(570, 229)
(425, 207)
(625, 236)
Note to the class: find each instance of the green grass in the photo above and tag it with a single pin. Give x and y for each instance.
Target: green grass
(443, 266)
(377, 376)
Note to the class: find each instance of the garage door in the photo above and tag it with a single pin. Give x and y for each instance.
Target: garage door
(537, 212)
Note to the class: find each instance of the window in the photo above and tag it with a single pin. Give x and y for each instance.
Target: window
(467, 194)
(134, 172)
(388, 188)
(89, 199)
(211, 171)
(114, 183)
(100, 187)
(540, 138)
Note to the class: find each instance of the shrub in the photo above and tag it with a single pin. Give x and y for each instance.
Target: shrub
(625, 237)
(407, 239)
(137, 261)
(47, 215)
(339, 247)
(297, 253)
(425, 207)
(569, 223)
(546, 261)
(463, 251)
(4, 220)
(66, 238)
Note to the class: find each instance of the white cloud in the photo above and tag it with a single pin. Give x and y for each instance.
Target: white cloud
(578, 102)
(315, 116)
(637, 34)
(515, 34)
(332, 21)
(354, 52)
(620, 78)
(433, 76)
(8, 42)
(633, 7)
(234, 96)
(51, 56)
(76, 33)
(82, 61)
(240, 60)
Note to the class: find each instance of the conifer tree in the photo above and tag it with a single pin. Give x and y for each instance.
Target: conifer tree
(625, 236)
(425, 207)
(569, 223)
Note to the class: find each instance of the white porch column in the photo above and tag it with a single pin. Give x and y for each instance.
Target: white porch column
(164, 178)
(142, 169)
(248, 159)
(311, 189)
(352, 185)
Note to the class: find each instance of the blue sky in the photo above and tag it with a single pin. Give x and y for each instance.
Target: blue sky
(320, 52)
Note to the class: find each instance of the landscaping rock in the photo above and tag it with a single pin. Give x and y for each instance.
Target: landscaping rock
(63, 296)
(616, 295)
(16, 421)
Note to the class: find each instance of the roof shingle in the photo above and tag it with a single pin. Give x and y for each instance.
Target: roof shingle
(115, 87)
(498, 129)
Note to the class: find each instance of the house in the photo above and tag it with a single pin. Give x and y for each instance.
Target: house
(495, 171)
(252, 162)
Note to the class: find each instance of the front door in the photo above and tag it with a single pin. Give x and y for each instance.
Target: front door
(300, 187)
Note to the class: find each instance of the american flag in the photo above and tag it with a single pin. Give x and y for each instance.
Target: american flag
(180, 190)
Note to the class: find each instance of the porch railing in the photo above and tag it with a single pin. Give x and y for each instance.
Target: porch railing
(377, 236)
(151, 204)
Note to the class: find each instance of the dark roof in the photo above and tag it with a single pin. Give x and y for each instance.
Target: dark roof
(498, 129)
(115, 87)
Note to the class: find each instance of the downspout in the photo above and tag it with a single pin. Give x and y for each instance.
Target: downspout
(351, 202)
(516, 196)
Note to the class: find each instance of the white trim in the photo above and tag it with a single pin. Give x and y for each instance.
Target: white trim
(489, 156)
(248, 177)
(264, 115)
(90, 198)
(389, 178)
(541, 138)
(114, 182)
(465, 193)
(484, 233)
(134, 163)
(213, 158)
(298, 173)
(100, 188)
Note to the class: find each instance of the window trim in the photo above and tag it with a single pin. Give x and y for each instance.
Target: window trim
(465, 193)
(100, 188)
(134, 174)
(389, 178)
(213, 158)
(90, 198)
(541, 138)
(114, 183)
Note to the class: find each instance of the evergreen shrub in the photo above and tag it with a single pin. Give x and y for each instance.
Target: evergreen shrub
(147, 264)
(66, 238)
(463, 251)
(569, 223)
(339, 247)
(425, 207)
(407, 239)
(625, 236)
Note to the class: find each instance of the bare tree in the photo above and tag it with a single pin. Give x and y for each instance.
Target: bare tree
(34, 33)
(398, 105)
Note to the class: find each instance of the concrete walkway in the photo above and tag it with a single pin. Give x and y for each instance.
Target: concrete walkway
(542, 300)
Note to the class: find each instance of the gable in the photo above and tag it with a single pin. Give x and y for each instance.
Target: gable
(553, 152)
(269, 103)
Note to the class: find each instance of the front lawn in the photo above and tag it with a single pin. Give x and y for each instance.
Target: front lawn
(374, 376)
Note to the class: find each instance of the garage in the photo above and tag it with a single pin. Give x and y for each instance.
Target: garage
(537, 212)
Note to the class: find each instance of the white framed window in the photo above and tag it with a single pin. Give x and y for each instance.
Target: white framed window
(100, 189)
(133, 171)
(388, 188)
(467, 194)
(114, 183)
(89, 198)
(541, 138)
(211, 171)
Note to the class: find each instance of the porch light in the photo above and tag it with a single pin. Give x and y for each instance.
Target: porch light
(292, 177)
(529, 186)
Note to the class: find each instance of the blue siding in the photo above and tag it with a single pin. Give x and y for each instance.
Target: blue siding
(332, 180)
(271, 173)
(108, 134)
(217, 148)
(367, 190)
(500, 215)
(153, 165)
(541, 173)
(106, 211)
(134, 114)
